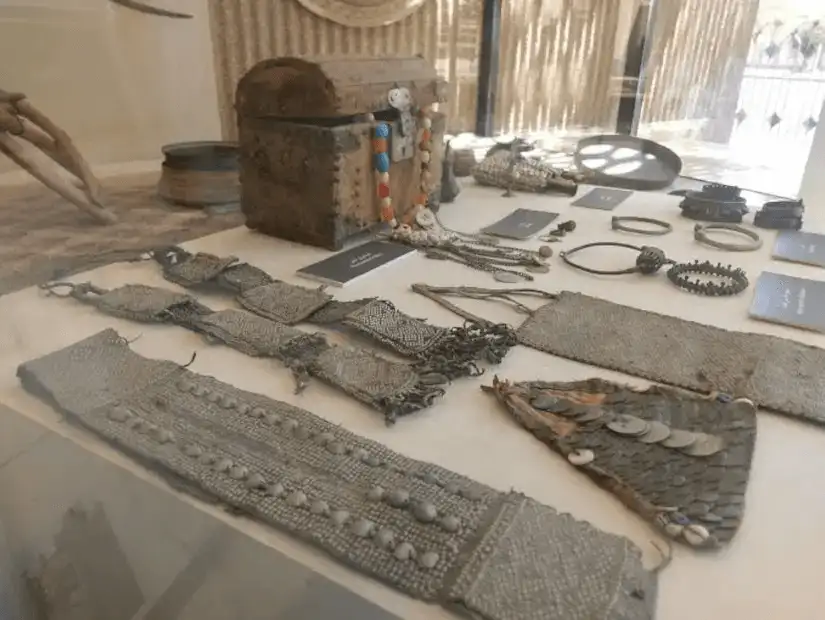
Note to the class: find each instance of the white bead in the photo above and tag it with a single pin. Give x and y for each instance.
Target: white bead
(384, 177)
(425, 156)
(696, 535)
(393, 223)
(386, 202)
(369, 117)
(426, 122)
(581, 457)
(426, 177)
(425, 218)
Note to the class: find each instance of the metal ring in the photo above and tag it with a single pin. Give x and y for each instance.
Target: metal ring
(700, 234)
(649, 261)
(684, 275)
(616, 224)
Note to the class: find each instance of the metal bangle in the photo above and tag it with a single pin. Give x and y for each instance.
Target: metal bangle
(649, 260)
(617, 224)
(700, 234)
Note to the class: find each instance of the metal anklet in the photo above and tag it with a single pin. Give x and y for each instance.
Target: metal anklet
(705, 278)
(700, 234)
(617, 223)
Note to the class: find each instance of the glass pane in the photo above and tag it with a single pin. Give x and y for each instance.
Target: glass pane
(561, 72)
(736, 88)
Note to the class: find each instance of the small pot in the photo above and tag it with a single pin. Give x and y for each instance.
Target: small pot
(200, 174)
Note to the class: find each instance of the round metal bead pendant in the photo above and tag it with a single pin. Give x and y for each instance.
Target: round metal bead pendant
(679, 439)
(656, 433)
(705, 445)
(628, 425)
(553, 404)
(588, 413)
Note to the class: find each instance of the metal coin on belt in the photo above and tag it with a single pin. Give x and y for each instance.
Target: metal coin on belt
(588, 413)
(628, 425)
(657, 433)
(553, 404)
(679, 439)
(506, 277)
(705, 445)
(538, 268)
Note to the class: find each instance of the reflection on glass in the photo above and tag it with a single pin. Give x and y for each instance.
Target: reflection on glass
(736, 88)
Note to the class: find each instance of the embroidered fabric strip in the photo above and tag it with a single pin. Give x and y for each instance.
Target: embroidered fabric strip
(395, 388)
(782, 375)
(778, 374)
(137, 302)
(681, 461)
(426, 531)
(191, 271)
(447, 352)
(283, 302)
(452, 352)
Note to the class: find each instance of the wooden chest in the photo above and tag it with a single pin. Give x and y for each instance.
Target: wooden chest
(307, 129)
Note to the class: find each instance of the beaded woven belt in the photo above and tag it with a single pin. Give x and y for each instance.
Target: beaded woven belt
(421, 529)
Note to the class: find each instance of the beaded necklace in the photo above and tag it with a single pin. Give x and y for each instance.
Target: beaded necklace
(381, 163)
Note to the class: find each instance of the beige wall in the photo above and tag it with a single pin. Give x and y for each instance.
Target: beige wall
(121, 83)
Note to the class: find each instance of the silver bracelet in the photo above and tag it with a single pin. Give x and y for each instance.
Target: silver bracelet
(617, 223)
(700, 234)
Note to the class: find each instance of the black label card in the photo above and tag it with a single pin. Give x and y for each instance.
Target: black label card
(797, 302)
(521, 224)
(347, 266)
(800, 247)
(602, 198)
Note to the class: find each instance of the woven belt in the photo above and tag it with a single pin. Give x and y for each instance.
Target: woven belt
(421, 529)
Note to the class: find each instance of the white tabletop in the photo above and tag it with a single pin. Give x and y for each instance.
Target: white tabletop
(771, 569)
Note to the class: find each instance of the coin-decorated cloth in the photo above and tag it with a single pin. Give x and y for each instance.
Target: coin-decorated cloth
(679, 460)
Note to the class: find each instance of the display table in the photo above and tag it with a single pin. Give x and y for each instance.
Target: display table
(770, 571)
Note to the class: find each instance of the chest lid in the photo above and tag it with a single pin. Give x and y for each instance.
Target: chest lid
(300, 88)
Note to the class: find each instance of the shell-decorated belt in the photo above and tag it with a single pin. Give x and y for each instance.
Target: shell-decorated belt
(426, 531)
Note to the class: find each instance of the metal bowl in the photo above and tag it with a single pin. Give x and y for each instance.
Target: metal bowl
(208, 156)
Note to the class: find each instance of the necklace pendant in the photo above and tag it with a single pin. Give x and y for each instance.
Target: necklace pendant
(403, 138)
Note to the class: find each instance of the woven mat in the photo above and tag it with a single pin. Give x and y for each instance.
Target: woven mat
(42, 236)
